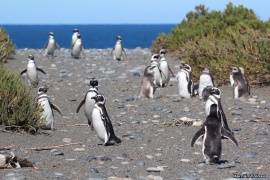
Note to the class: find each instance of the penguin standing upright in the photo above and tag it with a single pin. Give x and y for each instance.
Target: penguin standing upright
(32, 71)
(88, 102)
(74, 37)
(241, 88)
(205, 80)
(148, 87)
(157, 75)
(47, 114)
(102, 123)
(50, 45)
(77, 48)
(212, 131)
(212, 95)
(185, 83)
(164, 68)
(118, 49)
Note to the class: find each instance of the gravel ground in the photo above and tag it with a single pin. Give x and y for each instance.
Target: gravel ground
(155, 145)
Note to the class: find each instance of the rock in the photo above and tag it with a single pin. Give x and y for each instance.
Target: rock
(91, 158)
(93, 170)
(185, 160)
(105, 158)
(67, 140)
(57, 153)
(153, 169)
(136, 74)
(186, 109)
(223, 166)
(157, 108)
(152, 177)
(236, 129)
(249, 155)
(262, 132)
(79, 149)
(149, 156)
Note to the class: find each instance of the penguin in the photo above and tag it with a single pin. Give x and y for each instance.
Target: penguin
(50, 45)
(102, 123)
(118, 49)
(88, 102)
(77, 48)
(157, 72)
(241, 88)
(148, 88)
(212, 131)
(185, 83)
(32, 71)
(74, 37)
(205, 80)
(164, 68)
(45, 103)
(212, 95)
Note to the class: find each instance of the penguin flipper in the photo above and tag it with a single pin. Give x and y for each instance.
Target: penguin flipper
(229, 135)
(80, 105)
(41, 70)
(197, 135)
(57, 45)
(56, 108)
(23, 71)
(45, 46)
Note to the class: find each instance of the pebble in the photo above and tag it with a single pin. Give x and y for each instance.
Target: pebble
(57, 153)
(236, 129)
(105, 158)
(152, 177)
(250, 155)
(223, 166)
(140, 163)
(93, 170)
(67, 140)
(153, 169)
(156, 117)
(185, 160)
(91, 158)
(157, 108)
(262, 132)
(124, 163)
(186, 109)
(236, 112)
(188, 178)
(14, 176)
(79, 149)
(149, 156)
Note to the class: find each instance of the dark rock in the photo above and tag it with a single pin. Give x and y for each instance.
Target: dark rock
(136, 74)
(130, 99)
(236, 129)
(93, 170)
(105, 158)
(57, 153)
(90, 158)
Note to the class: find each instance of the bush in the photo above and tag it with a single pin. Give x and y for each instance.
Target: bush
(6, 46)
(219, 39)
(17, 108)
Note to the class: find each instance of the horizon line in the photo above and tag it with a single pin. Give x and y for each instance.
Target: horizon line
(94, 24)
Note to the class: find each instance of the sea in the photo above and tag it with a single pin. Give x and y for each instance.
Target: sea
(93, 36)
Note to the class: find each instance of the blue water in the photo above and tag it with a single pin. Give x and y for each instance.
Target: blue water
(93, 36)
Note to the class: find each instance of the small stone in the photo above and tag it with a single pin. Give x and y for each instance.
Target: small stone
(124, 163)
(236, 129)
(79, 149)
(185, 160)
(157, 108)
(250, 155)
(186, 109)
(223, 166)
(90, 158)
(262, 132)
(57, 153)
(130, 99)
(149, 156)
(156, 117)
(93, 170)
(236, 112)
(58, 175)
(67, 140)
(136, 74)
(152, 177)
(153, 169)
(105, 158)
(140, 163)
(187, 178)
(200, 165)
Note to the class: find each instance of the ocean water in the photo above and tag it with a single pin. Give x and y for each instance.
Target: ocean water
(93, 36)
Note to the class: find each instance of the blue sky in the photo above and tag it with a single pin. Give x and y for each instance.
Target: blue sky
(113, 11)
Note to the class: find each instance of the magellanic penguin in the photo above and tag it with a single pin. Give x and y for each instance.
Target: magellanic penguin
(74, 37)
(50, 45)
(32, 71)
(212, 95)
(241, 88)
(102, 123)
(185, 83)
(205, 80)
(88, 102)
(164, 68)
(118, 49)
(77, 48)
(148, 88)
(47, 114)
(212, 131)
(157, 72)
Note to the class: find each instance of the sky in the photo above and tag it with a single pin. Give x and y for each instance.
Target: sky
(114, 11)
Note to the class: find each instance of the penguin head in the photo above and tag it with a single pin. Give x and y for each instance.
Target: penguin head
(206, 92)
(42, 89)
(215, 91)
(149, 70)
(78, 36)
(118, 38)
(100, 99)
(93, 83)
(185, 67)
(206, 71)
(31, 56)
(163, 52)
(75, 30)
(235, 69)
(155, 57)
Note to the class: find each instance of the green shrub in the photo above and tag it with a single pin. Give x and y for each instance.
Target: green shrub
(219, 39)
(17, 108)
(6, 46)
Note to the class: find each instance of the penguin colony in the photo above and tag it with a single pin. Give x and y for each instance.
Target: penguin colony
(156, 75)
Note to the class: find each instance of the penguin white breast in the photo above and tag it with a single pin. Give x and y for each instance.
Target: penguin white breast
(31, 72)
(99, 125)
(47, 113)
(118, 50)
(183, 84)
(89, 105)
(76, 50)
(50, 47)
(74, 38)
(165, 70)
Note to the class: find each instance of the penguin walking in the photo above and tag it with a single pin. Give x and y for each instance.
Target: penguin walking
(74, 37)
(212, 131)
(212, 95)
(77, 48)
(118, 49)
(47, 114)
(32, 71)
(185, 83)
(148, 88)
(241, 88)
(88, 102)
(164, 68)
(205, 80)
(50, 45)
(157, 72)
(102, 123)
